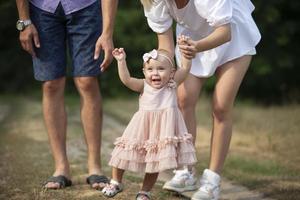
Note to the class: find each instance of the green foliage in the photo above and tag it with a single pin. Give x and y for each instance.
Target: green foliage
(133, 34)
(15, 65)
(274, 72)
(272, 78)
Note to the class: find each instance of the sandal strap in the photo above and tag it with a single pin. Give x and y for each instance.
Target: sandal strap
(115, 185)
(114, 182)
(144, 193)
(61, 180)
(113, 188)
(94, 178)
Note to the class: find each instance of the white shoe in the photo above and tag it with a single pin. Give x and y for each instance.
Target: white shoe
(209, 186)
(182, 181)
(113, 188)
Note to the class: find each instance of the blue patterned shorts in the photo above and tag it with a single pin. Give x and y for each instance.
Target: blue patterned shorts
(76, 32)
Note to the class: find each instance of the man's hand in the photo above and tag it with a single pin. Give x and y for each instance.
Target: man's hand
(106, 44)
(29, 36)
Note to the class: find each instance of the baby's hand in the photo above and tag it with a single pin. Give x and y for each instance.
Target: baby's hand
(119, 54)
(182, 40)
(187, 47)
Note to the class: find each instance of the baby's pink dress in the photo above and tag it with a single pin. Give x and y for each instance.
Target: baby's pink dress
(156, 138)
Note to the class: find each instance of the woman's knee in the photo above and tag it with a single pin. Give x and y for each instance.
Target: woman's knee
(187, 103)
(221, 112)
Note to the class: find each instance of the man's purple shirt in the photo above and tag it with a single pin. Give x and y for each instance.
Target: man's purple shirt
(69, 6)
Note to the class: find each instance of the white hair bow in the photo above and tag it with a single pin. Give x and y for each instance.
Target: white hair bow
(152, 54)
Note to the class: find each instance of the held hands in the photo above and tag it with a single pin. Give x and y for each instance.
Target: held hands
(119, 54)
(28, 38)
(188, 47)
(182, 40)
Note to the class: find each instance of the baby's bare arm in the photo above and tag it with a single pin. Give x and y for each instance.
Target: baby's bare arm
(131, 82)
(183, 71)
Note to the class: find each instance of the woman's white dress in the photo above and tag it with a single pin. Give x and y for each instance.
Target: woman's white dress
(198, 19)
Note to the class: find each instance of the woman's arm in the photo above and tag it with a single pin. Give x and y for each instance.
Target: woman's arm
(166, 41)
(132, 83)
(219, 36)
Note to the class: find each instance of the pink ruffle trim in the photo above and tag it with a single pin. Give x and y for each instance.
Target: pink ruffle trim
(153, 156)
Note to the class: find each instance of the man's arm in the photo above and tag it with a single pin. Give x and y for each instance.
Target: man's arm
(105, 41)
(29, 34)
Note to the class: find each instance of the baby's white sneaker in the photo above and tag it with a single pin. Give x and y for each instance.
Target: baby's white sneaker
(209, 186)
(182, 181)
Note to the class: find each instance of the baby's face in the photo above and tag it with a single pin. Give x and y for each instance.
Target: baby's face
(158, 73)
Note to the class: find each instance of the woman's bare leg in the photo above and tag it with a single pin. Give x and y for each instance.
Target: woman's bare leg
(188, 93)
(229, 77)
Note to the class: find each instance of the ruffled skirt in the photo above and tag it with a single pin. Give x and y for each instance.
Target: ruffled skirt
(154, 141)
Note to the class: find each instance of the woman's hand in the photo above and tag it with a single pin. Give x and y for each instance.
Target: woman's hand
(119, 54)
(188, 48)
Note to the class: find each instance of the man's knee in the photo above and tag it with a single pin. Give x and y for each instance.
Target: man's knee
(87, 84)
(54, 86)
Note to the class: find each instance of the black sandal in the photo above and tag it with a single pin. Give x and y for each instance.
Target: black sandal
(94, 178)
(61, 180)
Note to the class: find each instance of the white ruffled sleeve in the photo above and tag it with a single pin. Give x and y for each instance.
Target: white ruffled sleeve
(216, 12)
(158, 17)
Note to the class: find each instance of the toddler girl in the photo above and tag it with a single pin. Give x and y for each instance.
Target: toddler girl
(156, 138)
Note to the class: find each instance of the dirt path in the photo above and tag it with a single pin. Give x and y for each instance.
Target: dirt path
(229, 191)
(25, 152)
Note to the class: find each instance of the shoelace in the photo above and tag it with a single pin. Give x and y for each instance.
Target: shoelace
(180, 173)
(209, 187)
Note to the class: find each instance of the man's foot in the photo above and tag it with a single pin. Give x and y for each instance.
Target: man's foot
(57, 182)
(182, 181)
(97, 181)
(209, 186)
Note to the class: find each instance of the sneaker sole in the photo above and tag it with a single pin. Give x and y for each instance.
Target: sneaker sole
(180, 190)
(203, 199)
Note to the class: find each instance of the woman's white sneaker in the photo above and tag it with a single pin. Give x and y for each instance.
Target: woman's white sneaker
(209, 186)
(182, 181)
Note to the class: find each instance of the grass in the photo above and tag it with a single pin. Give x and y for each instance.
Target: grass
(264, 153)
(26, 160)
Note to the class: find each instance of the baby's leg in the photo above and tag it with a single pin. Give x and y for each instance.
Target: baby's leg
(117, 174)
(149, 181)
(115, 186)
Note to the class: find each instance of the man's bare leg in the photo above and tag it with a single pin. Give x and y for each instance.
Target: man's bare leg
(91, 117)
(56, 124)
